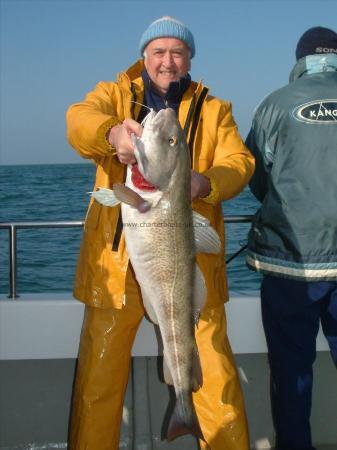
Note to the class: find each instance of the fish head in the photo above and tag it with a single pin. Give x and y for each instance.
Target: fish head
(162, 148)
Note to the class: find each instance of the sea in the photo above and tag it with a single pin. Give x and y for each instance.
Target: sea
(59, 192)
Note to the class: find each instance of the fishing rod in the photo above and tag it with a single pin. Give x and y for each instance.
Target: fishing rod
(236, 253)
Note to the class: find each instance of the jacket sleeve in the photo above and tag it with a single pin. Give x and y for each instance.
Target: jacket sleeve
(89, 121)
(258, 183)
(233, 164)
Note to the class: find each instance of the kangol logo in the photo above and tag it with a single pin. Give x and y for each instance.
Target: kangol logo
(318, 111)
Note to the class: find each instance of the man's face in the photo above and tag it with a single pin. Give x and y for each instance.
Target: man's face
(166, 60)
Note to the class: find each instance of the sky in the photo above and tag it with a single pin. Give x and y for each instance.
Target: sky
(54, 51)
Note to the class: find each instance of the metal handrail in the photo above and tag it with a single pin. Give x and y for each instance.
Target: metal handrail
(14, 226)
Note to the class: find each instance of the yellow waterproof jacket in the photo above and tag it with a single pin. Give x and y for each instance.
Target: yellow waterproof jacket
(217, 151)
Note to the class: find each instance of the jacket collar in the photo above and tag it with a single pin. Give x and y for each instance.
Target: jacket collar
(314, 64)
(133, 75)
(173, 96)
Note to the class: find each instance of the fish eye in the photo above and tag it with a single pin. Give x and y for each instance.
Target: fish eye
(173, 141)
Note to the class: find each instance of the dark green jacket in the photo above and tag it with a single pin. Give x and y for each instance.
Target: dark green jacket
(294, 141)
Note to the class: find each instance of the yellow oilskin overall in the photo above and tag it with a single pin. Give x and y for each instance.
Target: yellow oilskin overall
(105, 281)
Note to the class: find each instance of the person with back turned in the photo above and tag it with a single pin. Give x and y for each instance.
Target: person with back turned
(99, 128)
(293, 239)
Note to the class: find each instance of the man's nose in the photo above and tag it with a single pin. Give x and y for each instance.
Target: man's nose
(168, 59)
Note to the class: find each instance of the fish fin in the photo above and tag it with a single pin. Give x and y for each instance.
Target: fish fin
(166, 372)
(150, 310)
(199, 294)
(126, 195)
(178, 426)
(196, 371)
(206, 238)
(105, 196)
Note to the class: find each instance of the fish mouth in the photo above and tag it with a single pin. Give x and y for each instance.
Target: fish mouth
(154, 124)
(138, 145)
(139, 151)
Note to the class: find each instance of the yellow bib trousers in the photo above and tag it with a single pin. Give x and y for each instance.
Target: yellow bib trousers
(103, 370)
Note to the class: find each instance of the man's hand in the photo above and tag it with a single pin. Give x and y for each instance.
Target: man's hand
(120, 138)
(200, 185)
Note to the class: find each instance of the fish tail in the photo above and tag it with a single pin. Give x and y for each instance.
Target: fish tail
(179, 425)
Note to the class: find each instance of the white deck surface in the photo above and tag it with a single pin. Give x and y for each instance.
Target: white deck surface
(41, 326)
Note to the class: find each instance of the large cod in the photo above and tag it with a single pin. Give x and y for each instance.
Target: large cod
(162, 236)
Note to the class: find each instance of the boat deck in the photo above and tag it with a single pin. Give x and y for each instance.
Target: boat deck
(39, 337)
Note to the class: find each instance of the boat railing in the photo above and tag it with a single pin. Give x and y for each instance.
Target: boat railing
(12, 228)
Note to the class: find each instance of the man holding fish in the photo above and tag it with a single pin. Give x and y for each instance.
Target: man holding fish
(189, 149)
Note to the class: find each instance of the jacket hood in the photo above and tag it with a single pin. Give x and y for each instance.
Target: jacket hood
(314, 64)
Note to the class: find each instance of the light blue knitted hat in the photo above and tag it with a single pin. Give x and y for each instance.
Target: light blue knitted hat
(167, 27)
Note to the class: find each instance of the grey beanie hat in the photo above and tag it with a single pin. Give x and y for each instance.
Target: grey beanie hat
(167, 27)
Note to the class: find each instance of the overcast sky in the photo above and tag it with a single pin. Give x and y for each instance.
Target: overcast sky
(53, 52)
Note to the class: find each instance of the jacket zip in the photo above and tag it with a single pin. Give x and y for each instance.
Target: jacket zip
(195, 122)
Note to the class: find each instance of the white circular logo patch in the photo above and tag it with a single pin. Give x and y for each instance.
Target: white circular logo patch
(318, 111)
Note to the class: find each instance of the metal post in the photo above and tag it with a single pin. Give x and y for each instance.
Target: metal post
(12, 262)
